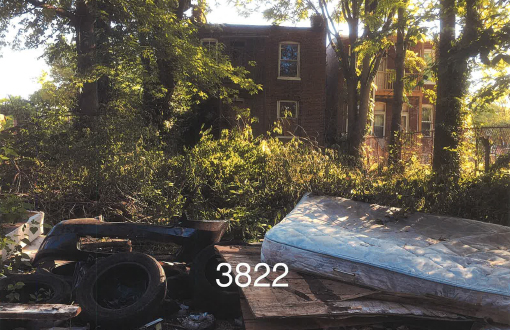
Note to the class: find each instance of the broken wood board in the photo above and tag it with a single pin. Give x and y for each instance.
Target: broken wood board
(311, 296)
(308, 323)
(53, 312)
(253, 323)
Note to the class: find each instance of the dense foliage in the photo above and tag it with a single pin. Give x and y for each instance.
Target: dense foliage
(120, 127)
(254, 181)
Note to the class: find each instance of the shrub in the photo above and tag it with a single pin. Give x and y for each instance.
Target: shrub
(127, 175)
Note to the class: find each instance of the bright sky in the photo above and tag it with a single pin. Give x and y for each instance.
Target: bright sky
(20, 70)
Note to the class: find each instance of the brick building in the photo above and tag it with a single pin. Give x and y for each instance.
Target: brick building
(417, 115)
(291, 67)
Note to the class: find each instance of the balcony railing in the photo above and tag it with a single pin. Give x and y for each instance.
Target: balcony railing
(385, 79)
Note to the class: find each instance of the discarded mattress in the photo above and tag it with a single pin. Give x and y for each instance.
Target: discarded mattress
(376, 246)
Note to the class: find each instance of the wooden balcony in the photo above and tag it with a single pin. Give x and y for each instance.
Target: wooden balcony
(385, 79)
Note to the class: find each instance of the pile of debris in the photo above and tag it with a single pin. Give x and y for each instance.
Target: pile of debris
(86, 270)
(332, 263)
(354, 263)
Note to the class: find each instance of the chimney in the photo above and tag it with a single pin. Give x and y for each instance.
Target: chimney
(317, 22)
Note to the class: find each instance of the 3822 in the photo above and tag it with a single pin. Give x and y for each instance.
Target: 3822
(243, 271)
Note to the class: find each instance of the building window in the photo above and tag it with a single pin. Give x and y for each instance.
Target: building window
(211, 45)
(379, 120)
(404, 118)
(404, 122)
(426, 120)
(428, 56)
(237, 53)
(288, 61)
(287, 109)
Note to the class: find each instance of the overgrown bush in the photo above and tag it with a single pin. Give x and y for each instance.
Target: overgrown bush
(114, 167)
(126, 175)
(253, 181)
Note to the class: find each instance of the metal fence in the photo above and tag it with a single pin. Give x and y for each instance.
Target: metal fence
(480, 147)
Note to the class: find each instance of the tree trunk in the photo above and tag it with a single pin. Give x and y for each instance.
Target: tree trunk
(158, 75)
(356, 136)
(103, 52)
(450, 90)
(352, 110)
(88, 101)
(395, 146)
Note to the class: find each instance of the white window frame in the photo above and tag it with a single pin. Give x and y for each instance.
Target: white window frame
(432, 55)
(405, 113)
(428, 51)
(431, 107)
(379, 112)
(203, 40)
(278, 109)
(298, 77)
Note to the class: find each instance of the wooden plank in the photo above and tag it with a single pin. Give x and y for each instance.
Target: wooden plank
(312, 296)
(252, 323)
(308, 323)
(350, 308)
(53, 312)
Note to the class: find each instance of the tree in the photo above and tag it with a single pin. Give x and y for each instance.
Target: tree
(485, 33)
(398, 87)
(370, 24)
(409, 31)
(123, 46)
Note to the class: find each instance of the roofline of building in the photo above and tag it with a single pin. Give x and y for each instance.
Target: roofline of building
(261, 27)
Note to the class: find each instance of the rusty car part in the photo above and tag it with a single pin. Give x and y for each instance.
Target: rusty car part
(62, 242)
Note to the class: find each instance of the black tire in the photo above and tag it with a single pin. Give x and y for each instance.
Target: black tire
(177, 282)
(207, 294)
(60, 291)
(136, 273)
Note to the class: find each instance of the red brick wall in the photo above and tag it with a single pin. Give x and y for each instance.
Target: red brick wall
(262, 46)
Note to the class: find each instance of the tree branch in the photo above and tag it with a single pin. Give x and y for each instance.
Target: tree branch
(59, 11)
(346, 10)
